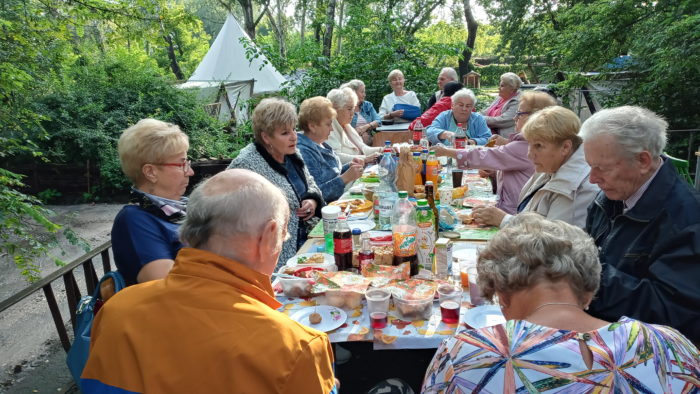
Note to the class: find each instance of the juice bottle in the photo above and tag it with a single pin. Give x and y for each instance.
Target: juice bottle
(431, 168)
(418, 166)
(426, 235)
(430, 196)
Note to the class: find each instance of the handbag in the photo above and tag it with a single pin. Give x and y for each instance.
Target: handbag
(410, 112)
(87, 307)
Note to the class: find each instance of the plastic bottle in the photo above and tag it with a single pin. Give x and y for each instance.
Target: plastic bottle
(418, 166)
(424, 158)
(417, 132)
(430, 196)
(426, 235)
(461, 137)
(431, 168)
(342, 244)
(356, 233)
(366, 255)
(404, 232)
(386, 191)
(448, 218)
(330, 218)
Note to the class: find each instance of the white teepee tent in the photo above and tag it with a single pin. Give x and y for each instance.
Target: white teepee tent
(226, 78)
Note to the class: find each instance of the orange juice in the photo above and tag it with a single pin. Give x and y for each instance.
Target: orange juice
(432, 168)
(464, 276)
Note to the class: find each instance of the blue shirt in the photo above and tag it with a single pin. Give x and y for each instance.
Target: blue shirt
(138, 238)
(477, 129)
(324, 166)
(367, 111)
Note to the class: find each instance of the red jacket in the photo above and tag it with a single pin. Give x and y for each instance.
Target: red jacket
(428, 116)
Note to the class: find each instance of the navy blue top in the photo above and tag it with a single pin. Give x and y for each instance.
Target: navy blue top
(138, 238)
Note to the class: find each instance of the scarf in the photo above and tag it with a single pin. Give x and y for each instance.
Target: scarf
(169, 210)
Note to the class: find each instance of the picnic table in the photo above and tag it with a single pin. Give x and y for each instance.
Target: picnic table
(395, 133)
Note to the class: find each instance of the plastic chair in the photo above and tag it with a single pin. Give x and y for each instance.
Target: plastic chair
(682, 166)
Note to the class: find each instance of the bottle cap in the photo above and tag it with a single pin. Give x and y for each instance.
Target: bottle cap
(330, 211)
(356, 231)
(426, 184)
(403, 194)
(425, 151)
(416, 153)
(422, 202)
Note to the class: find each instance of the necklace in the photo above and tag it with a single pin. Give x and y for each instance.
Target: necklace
(553, 303)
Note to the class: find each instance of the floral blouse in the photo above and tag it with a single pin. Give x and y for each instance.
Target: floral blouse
(628, 357)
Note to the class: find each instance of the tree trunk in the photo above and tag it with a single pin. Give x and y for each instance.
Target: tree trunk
(339, 34)
(174, 66)
(472, 27)
(278, 29)
(303, 22)
(248, 19)
(318, 16)
(328, 36)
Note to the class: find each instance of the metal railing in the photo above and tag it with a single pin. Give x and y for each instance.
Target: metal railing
(73, 293)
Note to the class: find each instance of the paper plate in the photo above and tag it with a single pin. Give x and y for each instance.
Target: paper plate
(331, 317)
(327, 258)
(484, 316)
(363, 225)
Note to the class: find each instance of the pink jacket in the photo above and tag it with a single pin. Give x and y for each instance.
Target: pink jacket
(515, 169)
(428, 116)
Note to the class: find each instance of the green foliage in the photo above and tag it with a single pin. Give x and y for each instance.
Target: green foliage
(48, 195)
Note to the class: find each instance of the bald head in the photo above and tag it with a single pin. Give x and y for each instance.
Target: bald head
(232, 203)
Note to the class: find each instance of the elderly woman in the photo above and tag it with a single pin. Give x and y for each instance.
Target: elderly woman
(365, 119)
(545, 273)
(315, 119)
(397, 96)
(274, 155)
(509, 159)
(500, 114)
(442, 105)
(560, 188)
(447, 75)
(444, 126)
(344, 140)
(153, 155)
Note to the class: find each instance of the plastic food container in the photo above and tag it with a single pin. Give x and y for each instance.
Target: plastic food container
(414, 309)
(301, 287)
(343, 299)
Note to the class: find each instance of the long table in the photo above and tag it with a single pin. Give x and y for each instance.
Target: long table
(395, 133)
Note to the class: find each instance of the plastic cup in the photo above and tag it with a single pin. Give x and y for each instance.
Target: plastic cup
(457, 177)
(474, 291)
(450, 302)
(378, 307)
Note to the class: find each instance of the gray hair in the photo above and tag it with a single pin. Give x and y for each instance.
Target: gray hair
(450, 73)
(243, 209)
(341, 97)
(635, 129)
(270, 114)
(464, 93)
(353, 84)
(531, 249)
(512, 80)
(394, 74)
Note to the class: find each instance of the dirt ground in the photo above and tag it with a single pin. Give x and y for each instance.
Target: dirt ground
(30, 354)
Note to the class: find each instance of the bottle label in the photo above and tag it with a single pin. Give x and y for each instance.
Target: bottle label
(460, 143)
(426, 245)
(417, 134)
(342, 245)
(405, 243)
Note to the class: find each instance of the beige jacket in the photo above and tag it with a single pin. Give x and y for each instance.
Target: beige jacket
(565, 195)
(345, 142)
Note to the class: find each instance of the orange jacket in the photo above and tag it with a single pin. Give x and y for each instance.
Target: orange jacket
(211, 326)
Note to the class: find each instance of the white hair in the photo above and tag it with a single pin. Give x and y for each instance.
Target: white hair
(244, 209)
(450, 73)
(635, 129)
(353, 84)
(464, 93)
(512, 80)
(341, 97)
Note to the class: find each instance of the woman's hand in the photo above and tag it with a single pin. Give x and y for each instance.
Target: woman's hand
(353, 172)
(307, 209)
(357, 161)
(371, 158)
(446, 135)
(442, 150)
(486, 173)
(498, 140)
(396, 114)
(471, 142)
(490, 216)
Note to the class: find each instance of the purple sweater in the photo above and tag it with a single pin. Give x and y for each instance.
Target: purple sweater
(513, 165)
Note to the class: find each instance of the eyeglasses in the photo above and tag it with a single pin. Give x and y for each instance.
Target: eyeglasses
(519, 114)
(185, 165)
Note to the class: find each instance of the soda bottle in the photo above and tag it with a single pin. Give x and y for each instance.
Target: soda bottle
(418, 166)
(404, 231)
(366, 255)
(430, 196)
(417, 132)
(431, 168)
(461, 137)
(342, 244)
(426, 235)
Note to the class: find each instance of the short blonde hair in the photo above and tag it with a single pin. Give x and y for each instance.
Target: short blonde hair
(531, 249)
(536, 101)
(149, 141)
(395, 74)
(512, 80)
(555, 125)
(315, 110)
(271, 114)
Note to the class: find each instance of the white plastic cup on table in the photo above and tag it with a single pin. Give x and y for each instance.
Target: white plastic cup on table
(450, 302)
(329, 213)
(474, 291)
(464, 265)
(378, 307)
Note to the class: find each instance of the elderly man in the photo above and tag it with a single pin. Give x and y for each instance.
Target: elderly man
(447, 74)
(645, 221)
(211, 326)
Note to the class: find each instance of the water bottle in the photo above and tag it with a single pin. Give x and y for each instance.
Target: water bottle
(404, 232)
(461, 137)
